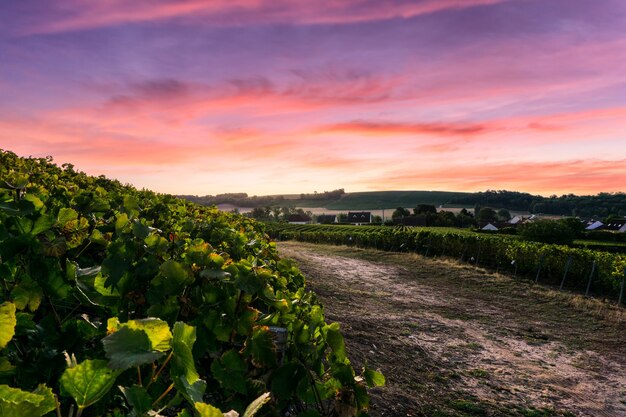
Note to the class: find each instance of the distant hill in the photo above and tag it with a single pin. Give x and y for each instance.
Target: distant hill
(392, 199)
(336, 200)
(600, 206)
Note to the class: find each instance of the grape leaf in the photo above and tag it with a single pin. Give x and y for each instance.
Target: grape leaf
(87, 382)
(7, 323)
(17, 403)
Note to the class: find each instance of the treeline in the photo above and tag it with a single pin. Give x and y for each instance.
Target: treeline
(326, 195)
(244, 200)
(600, 205)
(236, 199)
(426, 215)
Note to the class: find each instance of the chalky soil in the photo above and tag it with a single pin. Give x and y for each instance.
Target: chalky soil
(453, 340)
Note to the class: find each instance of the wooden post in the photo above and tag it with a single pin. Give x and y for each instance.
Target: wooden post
(567, 266)
(593, 269)
(621, 291)
(463, 254)
(539, 268)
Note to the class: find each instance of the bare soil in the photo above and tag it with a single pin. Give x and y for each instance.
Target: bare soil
(455, 340)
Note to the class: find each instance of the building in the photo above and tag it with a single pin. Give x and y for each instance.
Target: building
(359, 217)
(489, 227)
(595, 226)
(615, 225)
(298, 219)
(326, 218)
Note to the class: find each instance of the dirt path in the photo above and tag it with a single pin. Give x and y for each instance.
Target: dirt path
(454, 340)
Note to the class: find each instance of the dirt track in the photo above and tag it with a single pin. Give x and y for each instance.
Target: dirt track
(454, 340)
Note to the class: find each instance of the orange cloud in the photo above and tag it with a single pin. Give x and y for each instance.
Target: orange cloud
(575, 176)
(363, 127)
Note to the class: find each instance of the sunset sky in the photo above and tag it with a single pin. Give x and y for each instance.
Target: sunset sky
(286, 96)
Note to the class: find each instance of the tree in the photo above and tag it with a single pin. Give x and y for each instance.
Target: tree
(575, 224)
(487, 214)
(400, 213)
(260, 213)
(424, 208)
(504, 215)
(548, 231)
(465, 219)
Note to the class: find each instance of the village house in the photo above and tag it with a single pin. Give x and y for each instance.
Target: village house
(359, 217)
(299, 219)
(615, 225)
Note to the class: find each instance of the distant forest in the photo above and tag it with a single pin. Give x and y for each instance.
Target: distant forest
(600, 206)
(243, 200)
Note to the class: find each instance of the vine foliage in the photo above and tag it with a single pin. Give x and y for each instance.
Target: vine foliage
(116, 301)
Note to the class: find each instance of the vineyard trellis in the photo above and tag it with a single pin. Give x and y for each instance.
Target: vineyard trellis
(593, 272)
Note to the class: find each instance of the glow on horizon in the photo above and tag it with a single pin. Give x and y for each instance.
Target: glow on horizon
(195, 97)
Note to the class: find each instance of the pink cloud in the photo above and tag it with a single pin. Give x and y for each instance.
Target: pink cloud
(85, 14)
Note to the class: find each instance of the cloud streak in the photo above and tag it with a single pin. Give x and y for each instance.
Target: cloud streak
(87, 15)
(555, 177)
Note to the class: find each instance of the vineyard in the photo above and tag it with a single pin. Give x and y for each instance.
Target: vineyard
(584, 270)
(120, 302)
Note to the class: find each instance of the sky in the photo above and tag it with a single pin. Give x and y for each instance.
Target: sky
(288, 96)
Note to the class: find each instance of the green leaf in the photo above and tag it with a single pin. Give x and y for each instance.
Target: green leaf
(157, 244)
(20, 208)
(42, 224)
(7, 323)
(373, 378)
(129, 347)
(121, 222)
(260, 347)
(114, 267)
(6, 368)
(172, 277)
(184, 336)
(138, 398)
(157, 330)
(27, 294)
(99, 284)
(229, 370)
(141, 231)
(131, 205)
(66, 215)
(206, 410)
(256, 405)
(183, 370)
(87, 382)
(286, 378)
(17, 403)
(192, 392)
(335, 341)
(97, 237)
(37, 203)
